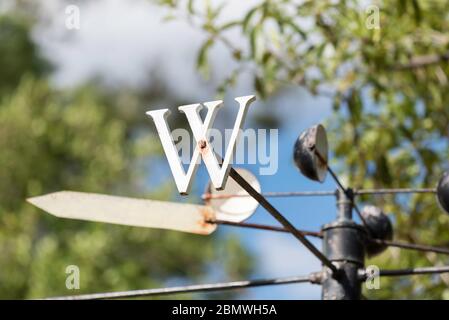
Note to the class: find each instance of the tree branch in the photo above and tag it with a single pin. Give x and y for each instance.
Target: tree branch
(423, 61)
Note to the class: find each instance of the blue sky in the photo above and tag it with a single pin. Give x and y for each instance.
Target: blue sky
(121, 40)
(280, 255)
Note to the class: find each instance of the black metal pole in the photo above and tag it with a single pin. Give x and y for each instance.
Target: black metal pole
(344, 245)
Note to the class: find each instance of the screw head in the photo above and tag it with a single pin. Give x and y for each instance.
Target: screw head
(202, 144)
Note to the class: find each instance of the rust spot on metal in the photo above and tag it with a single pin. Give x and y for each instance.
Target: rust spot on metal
(207, 196)
(204, 147)
(202, 144)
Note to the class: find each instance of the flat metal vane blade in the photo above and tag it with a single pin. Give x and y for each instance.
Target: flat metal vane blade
(127, 211)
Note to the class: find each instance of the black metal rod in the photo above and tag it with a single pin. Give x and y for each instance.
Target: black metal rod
(209, 196)
(193, 288)
(395, 191)
(349, 194)
(412, 246)
(281, 219)
(398, 244)
(264, 227)
(318, 234)
(412, 271)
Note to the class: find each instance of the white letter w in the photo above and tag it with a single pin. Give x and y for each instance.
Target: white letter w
(218, 171)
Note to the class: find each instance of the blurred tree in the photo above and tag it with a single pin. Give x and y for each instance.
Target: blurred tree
(57, 139)
(18, 54)
(385, 66)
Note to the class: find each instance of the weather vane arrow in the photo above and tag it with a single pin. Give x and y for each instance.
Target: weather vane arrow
(128, 211)
(192, 218)
(345, 243)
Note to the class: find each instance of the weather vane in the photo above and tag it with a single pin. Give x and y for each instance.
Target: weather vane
(345, 243)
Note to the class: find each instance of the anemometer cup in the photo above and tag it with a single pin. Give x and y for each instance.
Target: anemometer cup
(443, 192)
(308, 144)
(380, 226)
(233, 203)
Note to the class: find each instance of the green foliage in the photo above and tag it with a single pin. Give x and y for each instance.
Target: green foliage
(57, 141)
(389, 86)
(81, 140)
(18, 53)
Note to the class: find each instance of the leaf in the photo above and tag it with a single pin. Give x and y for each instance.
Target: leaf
(266, 57)
(296, 28)
(202, 63)
(320, 50)
(417, 11)
(336, 101)
(402, 5)
(259, 85)
(169, 18)
(229, 81)
(216, 12)
(355, 106)
(190, 7)
(229, 25)
(237, 54)
(254, 45)
(247, 19)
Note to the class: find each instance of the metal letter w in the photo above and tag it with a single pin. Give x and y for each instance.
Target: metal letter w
(218, 170)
